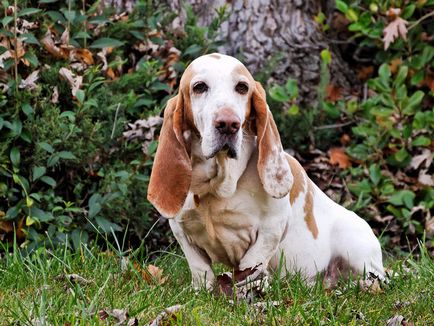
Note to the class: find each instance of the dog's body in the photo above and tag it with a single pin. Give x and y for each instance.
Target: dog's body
(235, 196)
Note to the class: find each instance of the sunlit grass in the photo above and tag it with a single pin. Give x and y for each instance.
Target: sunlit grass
(34, 289)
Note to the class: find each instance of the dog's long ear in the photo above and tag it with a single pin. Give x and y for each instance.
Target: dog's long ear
(171, 172)
(273, 167)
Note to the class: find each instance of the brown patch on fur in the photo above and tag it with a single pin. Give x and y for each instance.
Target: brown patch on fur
(215, 56)
(241, 70)
(299, 179)
(338, 267)
(269, 146)
(196, 200)
(308, 211)
(171, 173)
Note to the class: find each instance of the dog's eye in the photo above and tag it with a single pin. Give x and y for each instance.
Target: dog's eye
(200, 87)
(242, 88)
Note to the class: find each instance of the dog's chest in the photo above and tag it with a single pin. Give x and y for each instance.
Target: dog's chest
(223, 228)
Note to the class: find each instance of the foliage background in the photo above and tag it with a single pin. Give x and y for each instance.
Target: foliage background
(82, 89)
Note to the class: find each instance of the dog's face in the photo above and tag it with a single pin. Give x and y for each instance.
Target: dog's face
(219, 88)
(218, 99)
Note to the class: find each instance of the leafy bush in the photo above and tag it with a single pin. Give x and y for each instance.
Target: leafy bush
(72, 77)
(388, 131)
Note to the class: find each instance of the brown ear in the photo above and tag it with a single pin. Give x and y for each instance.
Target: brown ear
(171, 172)
(273, 167)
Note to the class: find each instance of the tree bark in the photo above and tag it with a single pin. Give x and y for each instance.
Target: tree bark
(278, 37)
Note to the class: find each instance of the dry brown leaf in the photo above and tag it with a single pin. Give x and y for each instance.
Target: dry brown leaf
(345, 139)
(73, 80)
(49, 45)
(365, 72)
(333, 93)
(394, 65)
(55, 95)
(83, 55)
(371, 285)
(426, 156)
(338, 157)
(398, 320)
(425, 179)
(151, 274)
(29, 82)
(396, 28)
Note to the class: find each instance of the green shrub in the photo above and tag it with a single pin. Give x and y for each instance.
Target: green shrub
(390, 131)
(67, 173)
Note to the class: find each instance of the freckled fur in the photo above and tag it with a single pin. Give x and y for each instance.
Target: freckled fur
(254, 210)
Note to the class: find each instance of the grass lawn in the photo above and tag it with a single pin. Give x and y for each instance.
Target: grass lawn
(36, 290)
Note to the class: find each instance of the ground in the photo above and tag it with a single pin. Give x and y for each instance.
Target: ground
(71, 288)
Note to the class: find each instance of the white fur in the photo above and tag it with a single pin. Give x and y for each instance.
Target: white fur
(236, 222)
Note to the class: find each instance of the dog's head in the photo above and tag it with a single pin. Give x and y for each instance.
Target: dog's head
(218, 99)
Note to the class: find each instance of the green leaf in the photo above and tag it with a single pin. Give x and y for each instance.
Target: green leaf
(326, 56)
(192, 50)
(40, 215)
(413, 101)
(291, 88)
(47, 147)
(402, 75)
(47, 1)
(401, 155)
(341, 6)
(107, 226)
(278, 94)
(403, 197)
(66, 155)
(28, 11)
(80, 95)
(375, 174)
(408, 11)
(15, 156)
(384, 74)
(29, 38)
(49, 181)
(106, 42)
(351, 15)
(421, 141)
(94, 209)
(293, 110)
(27, 109)
(38, 171)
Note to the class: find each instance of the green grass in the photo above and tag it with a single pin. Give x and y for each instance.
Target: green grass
(34, 288)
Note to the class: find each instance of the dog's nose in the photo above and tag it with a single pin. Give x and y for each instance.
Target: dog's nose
(227, 122)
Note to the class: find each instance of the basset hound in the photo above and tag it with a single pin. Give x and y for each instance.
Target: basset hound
(234, 196)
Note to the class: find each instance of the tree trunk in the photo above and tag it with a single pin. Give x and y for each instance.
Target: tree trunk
(280, 37)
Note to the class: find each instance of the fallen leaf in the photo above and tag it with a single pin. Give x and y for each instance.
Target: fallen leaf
(426, 156)
(333, 93)
(398, 320)
(29, 82)
(55, 95)
(73, 80)
(338, 157)
(345, 139)
(151, 274)
(121, 316)
(425, 179)
(394, 65)
(83, 55)
(371, 285)
(365, 72)
(49, 45)
(396, 27)
(167, 316)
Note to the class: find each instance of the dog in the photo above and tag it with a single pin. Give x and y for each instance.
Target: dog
(234, 196)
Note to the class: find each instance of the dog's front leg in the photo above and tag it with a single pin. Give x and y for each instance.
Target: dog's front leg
(260, 253)
(202, 275)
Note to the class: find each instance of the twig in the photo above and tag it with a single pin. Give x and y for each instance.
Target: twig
(417, 22)
(114, 123)
(335, 125)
